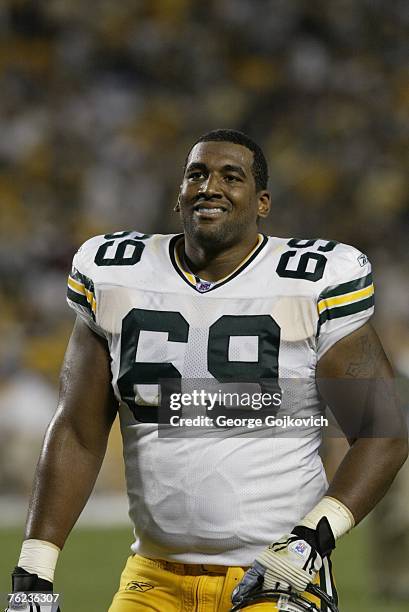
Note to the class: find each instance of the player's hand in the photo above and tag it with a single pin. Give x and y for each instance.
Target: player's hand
(24, 582)
(291, 563)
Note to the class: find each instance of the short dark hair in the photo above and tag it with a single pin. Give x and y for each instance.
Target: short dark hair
(259, 167)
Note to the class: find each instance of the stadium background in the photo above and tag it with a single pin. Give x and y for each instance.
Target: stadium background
(99, 104)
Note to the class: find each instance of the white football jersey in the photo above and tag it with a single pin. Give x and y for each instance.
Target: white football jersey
(208, 498)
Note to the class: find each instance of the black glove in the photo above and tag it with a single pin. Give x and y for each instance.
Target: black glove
(24, 582)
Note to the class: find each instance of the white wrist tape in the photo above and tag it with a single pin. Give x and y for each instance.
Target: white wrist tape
(340, 517)
(39, 557)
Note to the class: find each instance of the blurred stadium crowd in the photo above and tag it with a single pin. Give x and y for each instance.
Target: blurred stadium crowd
(99, 105)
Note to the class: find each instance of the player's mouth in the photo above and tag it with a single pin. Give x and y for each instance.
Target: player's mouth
(209, 211)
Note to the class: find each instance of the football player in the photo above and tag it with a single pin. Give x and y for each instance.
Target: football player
(225, 514)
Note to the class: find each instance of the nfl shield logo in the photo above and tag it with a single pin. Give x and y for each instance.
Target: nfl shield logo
(300, 548)
(203, 286)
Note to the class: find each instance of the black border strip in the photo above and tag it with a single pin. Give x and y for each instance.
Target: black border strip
(354, 285)
(172, 244)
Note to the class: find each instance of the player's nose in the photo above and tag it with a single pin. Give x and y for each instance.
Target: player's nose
(210, 187)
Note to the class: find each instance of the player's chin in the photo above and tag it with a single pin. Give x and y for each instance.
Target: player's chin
(207, 227)
(213, 230)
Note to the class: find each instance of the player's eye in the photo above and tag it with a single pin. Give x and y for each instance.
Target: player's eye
(232, 178)
(195, 176)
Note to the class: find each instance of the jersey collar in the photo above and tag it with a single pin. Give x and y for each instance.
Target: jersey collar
(203, 286)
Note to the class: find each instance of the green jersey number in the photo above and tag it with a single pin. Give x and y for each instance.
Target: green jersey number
(264, 371)
(311, 264)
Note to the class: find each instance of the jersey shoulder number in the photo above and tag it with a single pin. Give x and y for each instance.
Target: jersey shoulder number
(305, 259)
(341, 281)
(96, 254)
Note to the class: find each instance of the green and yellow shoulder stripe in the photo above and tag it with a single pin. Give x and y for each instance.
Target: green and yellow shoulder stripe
(346, 299)
(80, 290)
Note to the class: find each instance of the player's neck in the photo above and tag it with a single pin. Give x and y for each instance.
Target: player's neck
(214, 265)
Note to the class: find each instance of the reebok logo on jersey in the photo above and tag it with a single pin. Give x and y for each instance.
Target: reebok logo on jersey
(362, 260)
(141, 587)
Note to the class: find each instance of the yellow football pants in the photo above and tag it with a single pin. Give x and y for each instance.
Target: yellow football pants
(154, 585)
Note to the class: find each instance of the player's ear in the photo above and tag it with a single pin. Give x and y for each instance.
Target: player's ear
(264, 203)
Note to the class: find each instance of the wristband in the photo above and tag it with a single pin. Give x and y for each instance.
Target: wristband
(340, 517)
(39, 557)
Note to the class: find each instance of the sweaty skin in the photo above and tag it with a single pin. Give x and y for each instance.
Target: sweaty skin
(355, 378)
(219, 174)
(76, 439)
(215, 244)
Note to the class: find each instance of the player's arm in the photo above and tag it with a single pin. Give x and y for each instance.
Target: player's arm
(76, 439)
(356, 381)
(72, 452)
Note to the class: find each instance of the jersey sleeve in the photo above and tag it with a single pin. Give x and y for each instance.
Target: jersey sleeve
(347, 301)
(81, 294)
